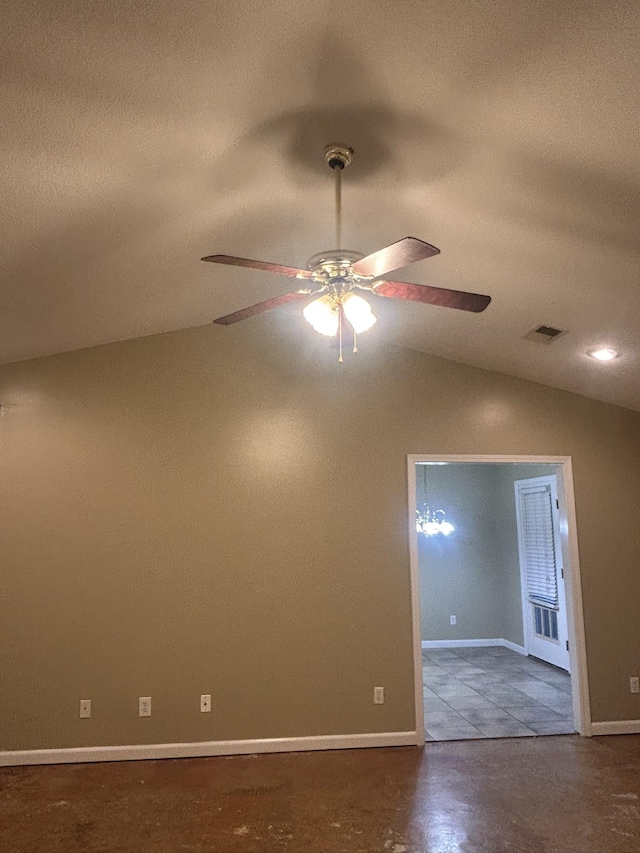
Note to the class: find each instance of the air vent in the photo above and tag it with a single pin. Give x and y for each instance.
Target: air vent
(544, 334)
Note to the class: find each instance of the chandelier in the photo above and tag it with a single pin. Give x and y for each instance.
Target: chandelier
(431, 522)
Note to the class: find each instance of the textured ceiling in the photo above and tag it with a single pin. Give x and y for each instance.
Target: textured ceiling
(136, 137)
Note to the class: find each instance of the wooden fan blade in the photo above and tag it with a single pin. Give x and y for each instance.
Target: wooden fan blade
(261, 307)
(433, 295)
(400, 254)
(292, 272)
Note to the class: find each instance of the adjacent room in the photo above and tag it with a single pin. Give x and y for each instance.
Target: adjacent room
(495, 661)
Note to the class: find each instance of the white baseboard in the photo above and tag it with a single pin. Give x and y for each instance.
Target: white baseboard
(469, 644)
(616, 727)
(144, 752)
(514, 647)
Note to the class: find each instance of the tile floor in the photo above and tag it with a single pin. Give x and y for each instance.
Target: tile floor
(490, 691)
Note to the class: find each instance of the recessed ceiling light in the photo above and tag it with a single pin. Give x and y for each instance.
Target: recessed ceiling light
(603, 354)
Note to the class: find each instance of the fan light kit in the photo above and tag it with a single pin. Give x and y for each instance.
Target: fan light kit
(333, 276)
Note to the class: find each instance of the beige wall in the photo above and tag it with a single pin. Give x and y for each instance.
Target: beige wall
(225, 511)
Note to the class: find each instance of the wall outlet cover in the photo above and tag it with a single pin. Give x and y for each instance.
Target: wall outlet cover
(378, 695)
(205, 703)
(85, 709)
(144, 706)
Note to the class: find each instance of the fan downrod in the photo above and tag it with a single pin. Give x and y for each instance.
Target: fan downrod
(338, 157)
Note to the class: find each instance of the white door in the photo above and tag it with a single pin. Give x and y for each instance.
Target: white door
(541, 570)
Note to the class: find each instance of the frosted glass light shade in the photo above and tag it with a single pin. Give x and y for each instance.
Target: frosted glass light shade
(322, 314)
(358, 312)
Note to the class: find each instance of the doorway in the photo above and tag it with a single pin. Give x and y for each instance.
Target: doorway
(501, 654)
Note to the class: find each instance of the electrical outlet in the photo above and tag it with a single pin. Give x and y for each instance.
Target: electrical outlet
(634, 684)
(85, 708)
(205, 703)
(144, 706)
(378, 695)
(452, 620)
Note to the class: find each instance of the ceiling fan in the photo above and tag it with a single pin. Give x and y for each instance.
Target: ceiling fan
(333, 276)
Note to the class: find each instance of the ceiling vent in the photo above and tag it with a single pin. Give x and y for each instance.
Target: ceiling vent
(544, 334)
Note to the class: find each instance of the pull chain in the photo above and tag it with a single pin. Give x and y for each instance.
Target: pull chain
(355, 341)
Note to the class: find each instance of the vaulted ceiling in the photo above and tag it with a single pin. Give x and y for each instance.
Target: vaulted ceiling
(136, 137)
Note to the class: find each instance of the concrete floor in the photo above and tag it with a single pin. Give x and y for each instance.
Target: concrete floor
(530, 795)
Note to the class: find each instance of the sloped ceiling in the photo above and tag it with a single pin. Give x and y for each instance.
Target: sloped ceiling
(138, 136)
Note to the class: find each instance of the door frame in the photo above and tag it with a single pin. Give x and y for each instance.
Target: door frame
(573, 587)
(550, 480)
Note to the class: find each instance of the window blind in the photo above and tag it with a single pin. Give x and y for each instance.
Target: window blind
(538, 545)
